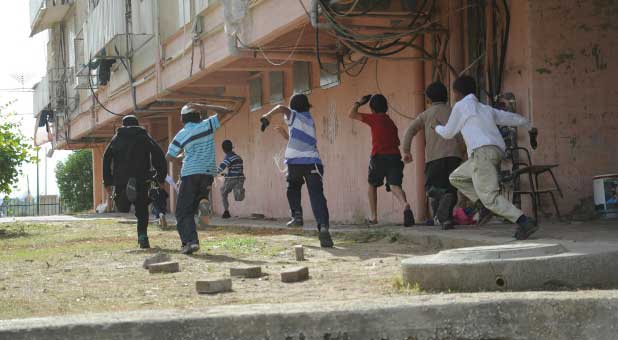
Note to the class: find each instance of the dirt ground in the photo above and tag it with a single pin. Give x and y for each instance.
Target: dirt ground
(93, 266)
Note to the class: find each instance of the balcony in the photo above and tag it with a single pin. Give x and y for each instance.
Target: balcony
(45, 13)
(40, 98)
(106, 34)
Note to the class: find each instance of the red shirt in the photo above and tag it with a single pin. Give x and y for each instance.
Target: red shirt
(384, 134)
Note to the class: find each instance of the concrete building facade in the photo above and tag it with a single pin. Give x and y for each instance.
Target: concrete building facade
(556, 58)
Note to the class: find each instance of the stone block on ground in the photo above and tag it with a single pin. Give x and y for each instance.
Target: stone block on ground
(247, 272)
(164, 267)
(299, 250)
(213, 286)
(157, 258)
(296, 274)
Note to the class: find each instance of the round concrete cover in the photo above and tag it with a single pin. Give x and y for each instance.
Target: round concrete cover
(513, 266)
(506, 251)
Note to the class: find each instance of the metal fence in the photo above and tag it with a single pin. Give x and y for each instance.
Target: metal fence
(21, 208)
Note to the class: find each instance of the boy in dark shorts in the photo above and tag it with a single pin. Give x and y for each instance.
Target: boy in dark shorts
(385, 156)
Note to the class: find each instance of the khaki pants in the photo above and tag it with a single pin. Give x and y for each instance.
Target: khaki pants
(477, 179)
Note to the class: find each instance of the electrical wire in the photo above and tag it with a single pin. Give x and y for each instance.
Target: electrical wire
(97, 98)
(261, 49)
(391, 106)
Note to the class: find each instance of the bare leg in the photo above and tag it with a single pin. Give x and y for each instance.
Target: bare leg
(401, 196)
(373, 202)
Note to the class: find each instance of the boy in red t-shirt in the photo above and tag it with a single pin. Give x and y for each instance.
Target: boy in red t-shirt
(385, 159)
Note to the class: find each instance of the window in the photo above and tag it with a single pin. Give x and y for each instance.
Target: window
(329, 75)
(302, 77)
(255, 94)
(276, 87)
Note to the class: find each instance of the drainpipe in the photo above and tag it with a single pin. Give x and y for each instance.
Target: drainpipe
(159, 51)
(455, 45)
(314, 17)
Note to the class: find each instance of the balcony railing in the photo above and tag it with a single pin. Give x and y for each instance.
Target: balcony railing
(41, 98)
(45, 13)
(105, 31)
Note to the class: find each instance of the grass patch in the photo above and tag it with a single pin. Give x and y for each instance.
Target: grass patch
(406, 288)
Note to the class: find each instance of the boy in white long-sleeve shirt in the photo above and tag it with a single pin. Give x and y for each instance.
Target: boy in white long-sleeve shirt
(477, 178)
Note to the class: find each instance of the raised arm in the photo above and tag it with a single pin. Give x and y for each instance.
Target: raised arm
(265, 119)
(353, 114)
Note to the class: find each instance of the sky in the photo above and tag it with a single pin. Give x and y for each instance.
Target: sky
(25, 56)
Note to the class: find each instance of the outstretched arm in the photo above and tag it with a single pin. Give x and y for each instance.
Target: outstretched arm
(455, 123)
(507, 118)
(354, 110)
(282, 131)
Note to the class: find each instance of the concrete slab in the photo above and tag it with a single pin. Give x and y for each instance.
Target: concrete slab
(164, 267)
(157, 258)
(246, 271)
(515, 266)
(295, 274)
(213, 286)
(588, 315)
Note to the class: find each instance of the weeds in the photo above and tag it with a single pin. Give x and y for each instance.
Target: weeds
(407, 288)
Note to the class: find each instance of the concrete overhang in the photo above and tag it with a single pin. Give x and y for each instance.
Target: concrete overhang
(47, 16)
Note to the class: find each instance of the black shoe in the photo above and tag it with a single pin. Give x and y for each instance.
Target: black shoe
(525, 228)
(325, 240)
(295, 222)
(190, 248)
(143, 242)
(226, 214)
(484, 216)
(448, 225)
(408, 218)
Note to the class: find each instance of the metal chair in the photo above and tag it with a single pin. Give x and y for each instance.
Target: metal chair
(524, 167)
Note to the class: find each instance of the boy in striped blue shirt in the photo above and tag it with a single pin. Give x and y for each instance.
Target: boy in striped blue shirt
(304, 164)
(196, 142)
(234, 179)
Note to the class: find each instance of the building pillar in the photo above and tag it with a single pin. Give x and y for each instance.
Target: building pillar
(98, 190)
(173, 168)
(418, 150)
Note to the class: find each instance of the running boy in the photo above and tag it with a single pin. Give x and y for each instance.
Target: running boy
(385, 159)
(442, 156)
(304, 163)
(196, 141)
(234, 179)
(477, 178)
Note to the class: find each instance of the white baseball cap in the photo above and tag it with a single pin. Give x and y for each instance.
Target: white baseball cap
(187, 109)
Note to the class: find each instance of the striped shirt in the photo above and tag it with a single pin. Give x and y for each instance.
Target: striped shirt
(196, 140)
(302, 146)
(234, 165)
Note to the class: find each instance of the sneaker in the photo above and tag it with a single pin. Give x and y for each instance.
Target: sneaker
(325, 240)
(484, 216)
(408, 218)
(162, 221)
(526, 227)
(190, 248)
(226, 214)
(204, 212)
(448, 225)
(295, 222)
(143, 242)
